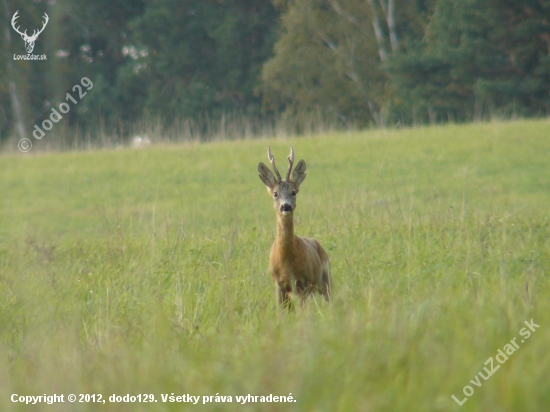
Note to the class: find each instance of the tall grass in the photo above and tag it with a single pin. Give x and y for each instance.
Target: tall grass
(201, 129)
(145, 271)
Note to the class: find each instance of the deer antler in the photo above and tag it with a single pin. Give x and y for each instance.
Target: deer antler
(37, 32)
(13, 19)
(291, 161)
(272, 161)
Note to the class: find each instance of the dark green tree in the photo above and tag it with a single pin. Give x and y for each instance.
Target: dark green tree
(479, 58)
(94, 42)
(203, 57)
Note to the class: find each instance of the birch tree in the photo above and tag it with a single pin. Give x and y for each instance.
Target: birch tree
(16, 102)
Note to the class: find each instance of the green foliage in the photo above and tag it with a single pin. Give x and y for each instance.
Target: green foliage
(205, 56)
(290, 60)
(327, 59)
(145, 271)
(480, 58)
(323, 63)
(172, 59)
(96, 34)
(27, 76)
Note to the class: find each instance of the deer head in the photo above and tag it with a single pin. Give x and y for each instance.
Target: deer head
(283, 192)
(29, 40)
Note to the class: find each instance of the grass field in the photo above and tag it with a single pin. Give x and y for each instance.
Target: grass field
(145, 272)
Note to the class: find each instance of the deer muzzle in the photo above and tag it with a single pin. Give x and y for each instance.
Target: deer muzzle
(286, 208)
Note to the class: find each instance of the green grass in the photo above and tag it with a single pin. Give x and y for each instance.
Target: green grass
(145, 271)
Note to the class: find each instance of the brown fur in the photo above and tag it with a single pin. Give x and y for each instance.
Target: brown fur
(299, 266)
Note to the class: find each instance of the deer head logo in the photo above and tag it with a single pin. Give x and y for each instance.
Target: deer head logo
(29, 40)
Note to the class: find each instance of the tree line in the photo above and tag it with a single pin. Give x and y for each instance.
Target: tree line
(360, 62)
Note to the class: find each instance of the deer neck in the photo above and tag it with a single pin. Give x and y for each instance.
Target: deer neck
(285, 234)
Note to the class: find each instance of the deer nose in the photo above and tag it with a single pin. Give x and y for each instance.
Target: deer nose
(286, 208)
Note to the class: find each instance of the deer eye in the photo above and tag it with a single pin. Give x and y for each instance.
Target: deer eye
(275, 194)
(294, 193)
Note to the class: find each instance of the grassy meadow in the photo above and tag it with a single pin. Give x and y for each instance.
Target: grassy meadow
(144, 271)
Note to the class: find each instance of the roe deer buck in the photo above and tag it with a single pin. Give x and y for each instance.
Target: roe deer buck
(298, 265)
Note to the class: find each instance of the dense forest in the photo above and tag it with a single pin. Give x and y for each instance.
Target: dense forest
(360, 62)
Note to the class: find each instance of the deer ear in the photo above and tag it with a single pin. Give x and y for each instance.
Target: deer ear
(266, 176)
(299, 173)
